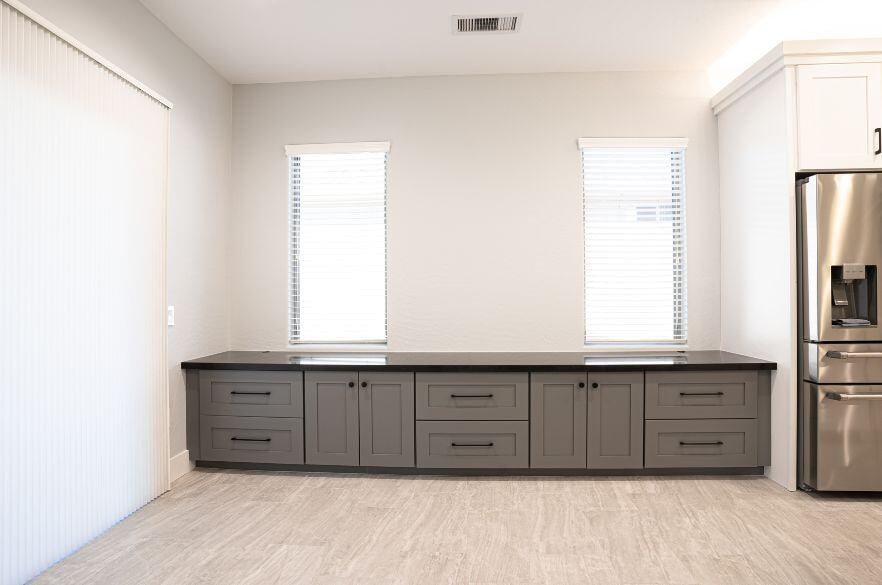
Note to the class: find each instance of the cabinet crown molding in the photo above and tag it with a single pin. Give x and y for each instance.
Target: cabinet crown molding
(791, 53)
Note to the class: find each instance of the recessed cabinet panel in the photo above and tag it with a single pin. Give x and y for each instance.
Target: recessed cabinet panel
(678, 395)
(615, 420)
(701, 443)
(472, 396)
(251, 393)
(251, 439)
(472, 444)
(839, 108)
(558, 420)
(386, 408)
(331, 418)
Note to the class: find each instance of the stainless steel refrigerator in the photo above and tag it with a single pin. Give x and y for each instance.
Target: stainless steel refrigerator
(840, 367)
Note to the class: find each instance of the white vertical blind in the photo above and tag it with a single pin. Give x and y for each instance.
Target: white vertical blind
(635, 243)
(337, 218)
(83, 420)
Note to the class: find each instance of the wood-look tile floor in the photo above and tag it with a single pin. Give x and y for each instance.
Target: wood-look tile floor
(242, 527)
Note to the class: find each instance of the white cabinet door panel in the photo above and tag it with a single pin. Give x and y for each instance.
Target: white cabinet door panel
(839, 108)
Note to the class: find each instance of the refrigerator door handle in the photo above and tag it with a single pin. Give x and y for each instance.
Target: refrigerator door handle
(848, 397)
(844, 355)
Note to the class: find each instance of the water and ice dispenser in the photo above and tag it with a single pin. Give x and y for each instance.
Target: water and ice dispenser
(853, 295)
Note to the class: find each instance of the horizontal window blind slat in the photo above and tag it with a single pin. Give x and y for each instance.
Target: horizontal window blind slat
(337, 252)
(635, 266)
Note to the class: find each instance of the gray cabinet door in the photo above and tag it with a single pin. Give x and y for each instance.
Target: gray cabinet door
(615, 420)
(557, 420)
(331, 418)
(386, 419)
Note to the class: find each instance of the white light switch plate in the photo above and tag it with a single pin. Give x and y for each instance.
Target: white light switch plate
(171, 315)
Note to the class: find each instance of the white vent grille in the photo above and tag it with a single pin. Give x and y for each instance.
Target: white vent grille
(505, 23)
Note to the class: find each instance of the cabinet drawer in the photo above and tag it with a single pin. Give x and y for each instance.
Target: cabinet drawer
(467, 396)
(678, 395)
(268, 394)
(472, 444)
(701, 443)
(251, 439)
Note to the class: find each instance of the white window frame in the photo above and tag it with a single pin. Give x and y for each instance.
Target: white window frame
(672, 143)
(337, 148)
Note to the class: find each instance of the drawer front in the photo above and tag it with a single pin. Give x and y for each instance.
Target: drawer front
(467, 396)
(268, 394)
(679, 395)
(701, 443)
(472, 444)
(251, 439)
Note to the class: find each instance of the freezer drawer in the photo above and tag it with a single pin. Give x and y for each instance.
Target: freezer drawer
(843, 438)
(842, 363)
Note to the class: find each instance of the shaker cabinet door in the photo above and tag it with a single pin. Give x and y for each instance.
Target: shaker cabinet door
(331, 418)
(557, 420)
(386, 419)
(839, 116)
(615, 420)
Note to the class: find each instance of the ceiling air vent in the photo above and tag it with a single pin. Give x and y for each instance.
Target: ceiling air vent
(486, 24)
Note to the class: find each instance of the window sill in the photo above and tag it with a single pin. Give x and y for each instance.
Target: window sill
(338, 347)
(635, 349)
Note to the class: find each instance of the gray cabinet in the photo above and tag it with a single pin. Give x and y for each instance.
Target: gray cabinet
(558, 405)
(386, 417)
(252, 439)
(701, 443)
(615, 420)
(461, 444)
(251, 393)
(331, 418)
(681, 395)
(472, 396)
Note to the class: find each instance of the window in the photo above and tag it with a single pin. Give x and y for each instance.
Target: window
(337, 239)
(635, 241)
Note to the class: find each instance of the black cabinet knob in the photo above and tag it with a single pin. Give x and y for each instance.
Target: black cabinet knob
(594, 385)
(581, 384)
(351, 384)
(364, 384)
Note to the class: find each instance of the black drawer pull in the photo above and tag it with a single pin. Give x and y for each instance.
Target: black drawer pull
(251, 393)
(701, 393)
(471, 396)
(878, 136)
(267, 440)
(699, 443)
(471, 444)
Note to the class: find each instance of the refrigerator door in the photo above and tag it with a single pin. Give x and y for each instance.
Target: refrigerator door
(841, 225)
(845, 433)
(842, 363)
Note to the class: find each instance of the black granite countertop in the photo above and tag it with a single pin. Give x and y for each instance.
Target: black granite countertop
(476, 362)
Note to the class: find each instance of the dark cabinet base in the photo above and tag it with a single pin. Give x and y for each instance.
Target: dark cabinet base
(584, 423)
(522, 472)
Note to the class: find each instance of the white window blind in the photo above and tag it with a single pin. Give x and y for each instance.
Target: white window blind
(337, 219)
(635, 241)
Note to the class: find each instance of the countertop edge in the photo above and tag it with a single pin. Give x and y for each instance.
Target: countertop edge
(195, 365)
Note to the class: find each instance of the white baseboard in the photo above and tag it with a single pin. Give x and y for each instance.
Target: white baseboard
(179, 465)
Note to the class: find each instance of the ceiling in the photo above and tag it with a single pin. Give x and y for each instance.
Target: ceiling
(263, 41)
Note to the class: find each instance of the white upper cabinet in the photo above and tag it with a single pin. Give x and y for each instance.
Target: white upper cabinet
(839, 115)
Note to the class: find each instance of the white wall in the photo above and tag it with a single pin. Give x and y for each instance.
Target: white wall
(127, 34)
(758, 279)
(485, 203)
